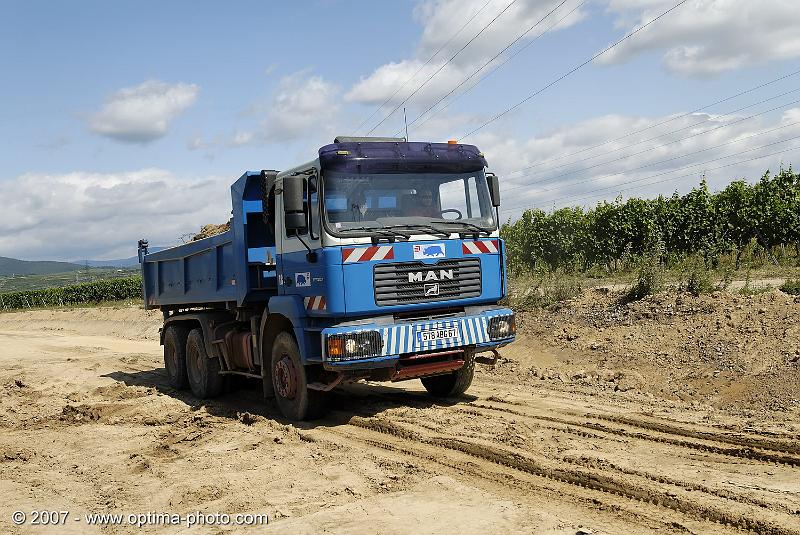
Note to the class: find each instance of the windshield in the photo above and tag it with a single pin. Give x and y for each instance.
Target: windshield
(442, 202)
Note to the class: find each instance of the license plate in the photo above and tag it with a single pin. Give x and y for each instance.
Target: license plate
(432, 335)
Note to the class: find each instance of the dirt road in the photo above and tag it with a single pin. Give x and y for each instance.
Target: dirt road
(89, 425)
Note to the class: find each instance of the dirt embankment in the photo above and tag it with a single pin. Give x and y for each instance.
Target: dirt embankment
(604, 443)
(741, 353)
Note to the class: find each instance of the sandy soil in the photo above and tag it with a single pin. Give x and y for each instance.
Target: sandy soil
(558, 437)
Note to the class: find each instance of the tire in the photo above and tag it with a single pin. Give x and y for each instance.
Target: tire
(202, 371)
(451, 384)
(175, 356)
(289, 380)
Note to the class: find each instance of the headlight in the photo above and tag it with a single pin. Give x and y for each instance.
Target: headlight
(502, 327)
(351, 346)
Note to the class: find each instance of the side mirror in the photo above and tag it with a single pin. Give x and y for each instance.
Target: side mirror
(267, 182)
(494, 188)
(294, 214)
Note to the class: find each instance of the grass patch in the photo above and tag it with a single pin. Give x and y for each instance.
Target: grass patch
(542, 290)
(791, 287)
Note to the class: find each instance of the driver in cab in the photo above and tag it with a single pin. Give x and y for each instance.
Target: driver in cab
(424, 204)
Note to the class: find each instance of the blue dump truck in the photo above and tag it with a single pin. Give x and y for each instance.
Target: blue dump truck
(380, 260)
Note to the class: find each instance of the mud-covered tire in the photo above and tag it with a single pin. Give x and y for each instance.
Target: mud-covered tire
(175, 356)
(202, 371)
(451, 384)
(290, 382)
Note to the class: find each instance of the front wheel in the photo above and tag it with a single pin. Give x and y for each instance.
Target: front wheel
(453, 383)
(290, 382)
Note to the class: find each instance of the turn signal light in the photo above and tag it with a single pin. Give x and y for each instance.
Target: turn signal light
(335, 347)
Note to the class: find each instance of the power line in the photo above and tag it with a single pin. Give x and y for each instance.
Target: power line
(512, 43)
(592, 179)
(748, 160)
(615, 186)
(501, 64)
(385, 102)
(444, 65)
(572, 71)
(618, 149)
(662, 123)
(685, 138)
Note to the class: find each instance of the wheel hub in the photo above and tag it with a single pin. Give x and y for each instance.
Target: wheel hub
(286, 378)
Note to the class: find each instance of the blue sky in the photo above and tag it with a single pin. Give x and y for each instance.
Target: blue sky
(131, 119)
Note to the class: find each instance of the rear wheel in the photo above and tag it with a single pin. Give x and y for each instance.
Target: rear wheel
(175, 356)
(290, 382)
(451, 384)
(202, 371)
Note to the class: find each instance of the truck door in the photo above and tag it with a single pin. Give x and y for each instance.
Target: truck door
(300, 275)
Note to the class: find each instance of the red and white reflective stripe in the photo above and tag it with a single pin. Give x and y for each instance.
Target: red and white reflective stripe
(479, 247)
(315, 302)
(365, 254)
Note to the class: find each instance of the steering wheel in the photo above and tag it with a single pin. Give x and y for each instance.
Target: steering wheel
(453, 210)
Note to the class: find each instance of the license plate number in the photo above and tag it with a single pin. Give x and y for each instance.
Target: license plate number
(431, 335)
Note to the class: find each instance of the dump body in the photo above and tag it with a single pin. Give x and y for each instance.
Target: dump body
(236, 266)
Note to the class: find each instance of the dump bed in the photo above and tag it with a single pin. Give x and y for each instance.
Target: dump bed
(198, 272)
(232, 267)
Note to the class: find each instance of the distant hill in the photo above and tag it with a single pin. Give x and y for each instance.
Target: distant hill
(119, 262)
(12, 266)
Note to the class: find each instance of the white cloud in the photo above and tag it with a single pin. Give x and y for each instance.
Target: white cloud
(83, 214)
(301, 105)
(567, 169)
(242, 138)
(144, 112)
(440, 20)
(707, 37)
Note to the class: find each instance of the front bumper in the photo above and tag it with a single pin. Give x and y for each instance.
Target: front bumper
(403, 338)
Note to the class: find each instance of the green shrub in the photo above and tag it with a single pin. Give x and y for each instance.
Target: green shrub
(791, 286)
(90, 292)
(649, 276)
(697, 279)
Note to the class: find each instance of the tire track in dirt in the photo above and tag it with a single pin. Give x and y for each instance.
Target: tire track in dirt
(638, 513)
(664, 427)
(749, 448)
(678, 500)
(749, 453)
(729, 495)
(658, 478)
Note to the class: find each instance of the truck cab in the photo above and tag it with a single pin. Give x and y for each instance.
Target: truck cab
(378, 259)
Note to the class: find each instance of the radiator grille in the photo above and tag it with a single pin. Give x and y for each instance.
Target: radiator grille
(409, 282)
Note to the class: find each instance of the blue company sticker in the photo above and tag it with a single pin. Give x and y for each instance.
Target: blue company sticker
(302, 280)
(430, 250)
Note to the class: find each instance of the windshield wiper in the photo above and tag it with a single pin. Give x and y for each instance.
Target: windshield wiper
(476, 228)
(381, 231)
(430, 228)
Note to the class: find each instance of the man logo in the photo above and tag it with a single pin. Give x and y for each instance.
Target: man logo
(425, 276)
(431, 289)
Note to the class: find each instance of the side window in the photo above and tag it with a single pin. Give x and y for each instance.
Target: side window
(474, 208)
(314, 215)
(453, 196)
